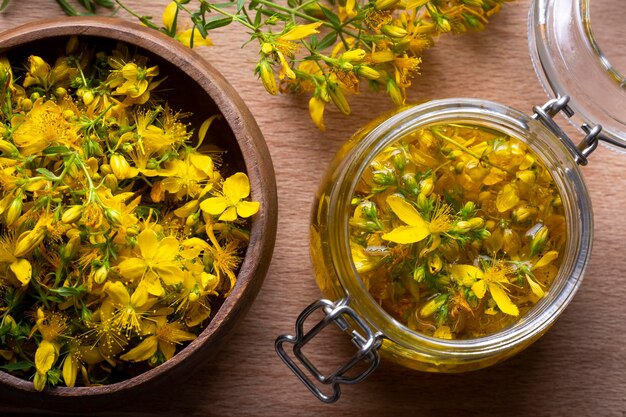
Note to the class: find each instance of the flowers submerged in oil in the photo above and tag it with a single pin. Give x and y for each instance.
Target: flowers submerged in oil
(119, 235)
(457, 230)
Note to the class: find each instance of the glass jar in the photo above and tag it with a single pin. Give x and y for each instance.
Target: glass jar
(557, 28)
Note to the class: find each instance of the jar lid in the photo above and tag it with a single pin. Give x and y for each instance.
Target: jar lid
(569, 62)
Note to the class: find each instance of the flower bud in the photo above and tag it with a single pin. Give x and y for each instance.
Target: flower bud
(410, 184)
(419, 274)
(29, 241)
(267, 48)
(538, 240)
(120, 166)
(511, 242)
(8, 148)
(72, 45)
(113, 216)
(427, 186)
(336, 95)
(14, 211)
(476, 222)
(434, 264)
(462, 227)
(394, 31)
(384, 177)
(100, 274)
(394, 92)
(264, 69)
(354, 55)
(368, 72)
(71, 248)
(72, 214)
(110, 181)
(433, 305)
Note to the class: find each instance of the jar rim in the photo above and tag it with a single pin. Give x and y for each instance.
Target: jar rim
(541, 316)
(569, 62)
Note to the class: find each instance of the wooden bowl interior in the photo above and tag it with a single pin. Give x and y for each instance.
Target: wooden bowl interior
(192, 86)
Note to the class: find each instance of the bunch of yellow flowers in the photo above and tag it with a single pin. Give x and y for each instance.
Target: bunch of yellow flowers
(118, 233)
(326, 49)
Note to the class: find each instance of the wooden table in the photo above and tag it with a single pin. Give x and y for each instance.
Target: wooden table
(577, 368)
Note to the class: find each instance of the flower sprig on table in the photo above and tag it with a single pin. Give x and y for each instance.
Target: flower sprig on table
(119, 235)
(326, 49)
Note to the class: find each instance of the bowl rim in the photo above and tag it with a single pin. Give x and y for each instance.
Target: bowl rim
(257, 161)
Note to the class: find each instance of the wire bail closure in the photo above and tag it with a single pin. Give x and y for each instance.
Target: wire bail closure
(366, 341)
(593, 134)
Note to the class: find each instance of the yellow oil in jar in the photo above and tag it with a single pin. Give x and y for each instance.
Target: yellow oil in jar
(457, 230)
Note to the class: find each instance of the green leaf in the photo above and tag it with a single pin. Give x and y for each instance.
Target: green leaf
(332, 17)
(56, 150)
(105, 3)
(69, 291)
(89, 5)
(17, 366)
(217, 22)
(67, 8)
(4, 4)
(240, 4)
(257, 19)
(327, 41)
(48, 174)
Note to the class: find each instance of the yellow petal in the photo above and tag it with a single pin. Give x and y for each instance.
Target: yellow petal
(316, 111)
(187, 209)
(169, 14)
(167, 249)
(22, 270)
(465, 274)
(236, 187)
(167, 349)
(406, 212)
(247, 208)
(139, 297)
(535, 287)
(479, 288)
(301, 31)
(502, 300)
(45, 356)
(148, 243)
(214, 205)
(170, 274)
(143, 351)
(407, 234)
(185, 37)
(70, 370)
(117, 292)
(507, 198)
(443, 332)
(230, 215)
(546, 259)
(132, 268)
(203, 162)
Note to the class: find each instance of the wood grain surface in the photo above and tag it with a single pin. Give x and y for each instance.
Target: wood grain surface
(578, 368)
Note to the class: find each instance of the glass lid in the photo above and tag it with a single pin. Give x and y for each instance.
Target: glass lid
(569, 60)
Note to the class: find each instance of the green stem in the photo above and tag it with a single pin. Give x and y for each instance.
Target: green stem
(143, 19)
(235, 17)
(467, 150)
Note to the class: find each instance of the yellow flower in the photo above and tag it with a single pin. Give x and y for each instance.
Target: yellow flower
(190, 177)
(231, 204)
(129, 310)
(170, 14)
(42, 126)
(493, 279)
(164, 337)
(134, 82)
(417, 229)
(156, 261)
(300, 31)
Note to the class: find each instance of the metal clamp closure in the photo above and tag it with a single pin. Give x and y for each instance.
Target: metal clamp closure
(593, 134)
(366, 341)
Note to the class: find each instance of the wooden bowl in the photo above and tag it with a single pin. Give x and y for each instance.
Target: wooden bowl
(197, 86)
